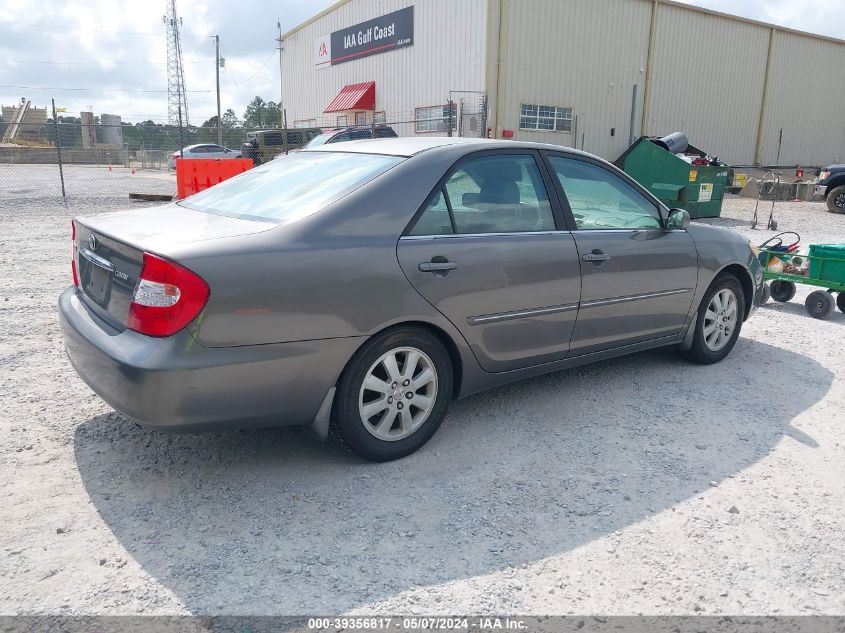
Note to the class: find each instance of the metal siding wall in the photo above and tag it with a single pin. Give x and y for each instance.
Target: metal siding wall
(584, 54)
(448, 54)
(707, 81)
(806, 99)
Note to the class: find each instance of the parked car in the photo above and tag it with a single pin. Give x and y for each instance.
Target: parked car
(264, 145)
(367, 284)
(831, 186)
(202, 150)
(352, 134)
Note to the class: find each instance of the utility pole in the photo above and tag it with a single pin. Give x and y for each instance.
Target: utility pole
(281, 107)
(217, 68)
(59, 152)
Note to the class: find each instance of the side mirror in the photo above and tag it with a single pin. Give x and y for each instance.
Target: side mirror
(677, 219)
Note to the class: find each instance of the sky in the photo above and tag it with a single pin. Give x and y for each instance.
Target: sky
(110, 54)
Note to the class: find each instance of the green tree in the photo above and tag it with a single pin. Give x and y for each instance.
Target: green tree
(230, 119)
(255, 113)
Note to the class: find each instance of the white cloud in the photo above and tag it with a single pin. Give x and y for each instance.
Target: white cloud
(119, 49)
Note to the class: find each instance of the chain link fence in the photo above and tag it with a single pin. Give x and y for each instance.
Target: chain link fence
(101, 164)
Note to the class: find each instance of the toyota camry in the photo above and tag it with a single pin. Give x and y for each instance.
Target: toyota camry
(366, 285)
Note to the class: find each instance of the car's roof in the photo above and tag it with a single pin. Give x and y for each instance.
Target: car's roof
(409, 146)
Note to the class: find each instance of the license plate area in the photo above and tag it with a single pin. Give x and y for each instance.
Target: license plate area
(95, 277)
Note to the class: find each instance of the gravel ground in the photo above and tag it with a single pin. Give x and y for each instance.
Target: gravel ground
(639, 485)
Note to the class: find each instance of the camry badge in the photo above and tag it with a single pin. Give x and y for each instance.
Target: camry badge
(92, 242)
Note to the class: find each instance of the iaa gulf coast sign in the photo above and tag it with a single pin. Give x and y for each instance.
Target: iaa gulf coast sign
(379, 35)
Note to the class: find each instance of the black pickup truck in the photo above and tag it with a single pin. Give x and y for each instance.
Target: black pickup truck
(831, 185)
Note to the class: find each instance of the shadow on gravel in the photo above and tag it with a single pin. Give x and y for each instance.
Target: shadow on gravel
(797, 308)
(271, 522)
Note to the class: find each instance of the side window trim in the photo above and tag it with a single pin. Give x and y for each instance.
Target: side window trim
(448, 200)
(565, 206)
(547, 175)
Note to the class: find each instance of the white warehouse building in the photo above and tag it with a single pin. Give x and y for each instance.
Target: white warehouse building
(592, 74)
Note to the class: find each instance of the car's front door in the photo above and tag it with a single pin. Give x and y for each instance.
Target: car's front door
(487, 252)
(638, 279)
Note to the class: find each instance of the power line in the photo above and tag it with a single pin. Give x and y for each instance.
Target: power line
(92, 89)
(115, 63)
(252, 76)
(64, 28)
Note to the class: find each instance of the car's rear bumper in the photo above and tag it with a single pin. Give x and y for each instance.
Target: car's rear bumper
(177, 384)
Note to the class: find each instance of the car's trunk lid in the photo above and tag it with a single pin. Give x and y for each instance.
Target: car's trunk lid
(110, 249)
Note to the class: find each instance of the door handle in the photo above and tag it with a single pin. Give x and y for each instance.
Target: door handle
(437, 267)
(597, 257)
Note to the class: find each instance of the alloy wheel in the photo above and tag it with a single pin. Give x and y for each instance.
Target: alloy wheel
(398, 393)
(720, 319)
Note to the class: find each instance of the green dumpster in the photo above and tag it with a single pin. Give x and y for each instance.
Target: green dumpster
(699, 189)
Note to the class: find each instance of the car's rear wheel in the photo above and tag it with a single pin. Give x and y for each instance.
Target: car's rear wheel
(836, 199)
(719, 320)
(840, 301)
(394, 394)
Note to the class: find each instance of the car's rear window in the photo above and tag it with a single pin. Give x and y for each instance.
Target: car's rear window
(291, 187)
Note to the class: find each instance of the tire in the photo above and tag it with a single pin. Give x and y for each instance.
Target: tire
(836, 199)
(782, 291)
(840, 301)
(713, 345)
(820, 304)
(397, 426)
(767, 294)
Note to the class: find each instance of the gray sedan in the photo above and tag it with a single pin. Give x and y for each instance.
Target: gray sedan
(366, 285)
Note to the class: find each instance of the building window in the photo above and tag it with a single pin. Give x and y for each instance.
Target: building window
(342, 121)
(305, 123)
(360, 118)
(379, 118)
(435, 119)
(541, 117)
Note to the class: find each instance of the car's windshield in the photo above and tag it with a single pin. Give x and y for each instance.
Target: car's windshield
(291, 187)
(321, 139)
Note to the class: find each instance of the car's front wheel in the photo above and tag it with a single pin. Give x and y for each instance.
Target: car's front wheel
(394, 394)
(719, 320)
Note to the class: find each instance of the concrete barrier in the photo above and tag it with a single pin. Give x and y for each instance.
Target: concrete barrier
(71, 156)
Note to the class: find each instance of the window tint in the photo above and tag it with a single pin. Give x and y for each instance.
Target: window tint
(435, 219)
(490, 194)
(600, 199)
(499, 194)
(291, 187)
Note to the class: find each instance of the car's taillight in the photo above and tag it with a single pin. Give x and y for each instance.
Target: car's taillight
(167, 297)
(73, 253)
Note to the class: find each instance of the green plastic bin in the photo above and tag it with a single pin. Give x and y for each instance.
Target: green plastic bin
(831, 266)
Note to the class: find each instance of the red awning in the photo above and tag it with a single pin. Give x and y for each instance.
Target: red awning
(354, 97)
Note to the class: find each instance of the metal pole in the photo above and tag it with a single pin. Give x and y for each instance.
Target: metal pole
(59, 151)
(632, 134)
(217, 66)
(281, 89)
(176, 47)
(285, 127)
(758, 157)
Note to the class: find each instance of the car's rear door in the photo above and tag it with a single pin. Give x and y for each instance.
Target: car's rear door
(490, 253)
(638, 279)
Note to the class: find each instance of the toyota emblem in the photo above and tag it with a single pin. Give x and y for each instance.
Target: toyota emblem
(92, 242)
